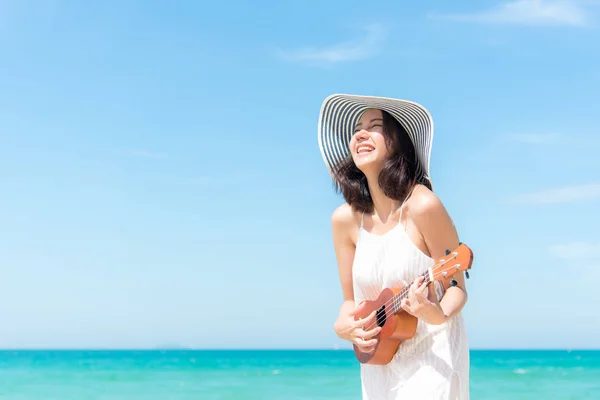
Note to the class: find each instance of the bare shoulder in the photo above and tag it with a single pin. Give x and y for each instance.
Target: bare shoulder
(431, 219)
(425, 204)
(342, 215)
(344, 221)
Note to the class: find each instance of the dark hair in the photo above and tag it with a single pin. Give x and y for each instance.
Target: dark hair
(397, 178)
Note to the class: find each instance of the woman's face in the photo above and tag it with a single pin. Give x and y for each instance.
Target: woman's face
(367, 146)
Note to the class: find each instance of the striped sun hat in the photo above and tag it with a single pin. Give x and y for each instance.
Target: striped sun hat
(340, 114)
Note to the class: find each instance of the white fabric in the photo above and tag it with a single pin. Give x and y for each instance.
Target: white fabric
(434, 364)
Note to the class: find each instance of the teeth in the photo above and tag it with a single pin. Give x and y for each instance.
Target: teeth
(364, 148)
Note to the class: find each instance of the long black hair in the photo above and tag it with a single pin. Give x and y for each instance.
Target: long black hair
(397, 178)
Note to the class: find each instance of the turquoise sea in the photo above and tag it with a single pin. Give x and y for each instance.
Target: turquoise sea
(269, 375)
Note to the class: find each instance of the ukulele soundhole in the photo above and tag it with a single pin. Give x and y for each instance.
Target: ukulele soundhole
(381, 316)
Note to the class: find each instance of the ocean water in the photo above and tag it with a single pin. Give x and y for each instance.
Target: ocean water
(270, 375)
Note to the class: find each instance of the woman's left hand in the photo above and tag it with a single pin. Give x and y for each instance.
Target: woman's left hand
(417, 304)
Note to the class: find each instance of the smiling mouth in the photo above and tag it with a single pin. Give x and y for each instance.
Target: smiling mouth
(364, 148)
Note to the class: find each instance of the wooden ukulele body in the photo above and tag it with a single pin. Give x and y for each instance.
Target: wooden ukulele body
(396, 328)
(398, 325)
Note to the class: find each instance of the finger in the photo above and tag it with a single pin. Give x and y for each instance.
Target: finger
(371, 317)
(421, 298)
(363, 317)
(411, 292)
(360, 334)
(364, 349)
(405, 304)
(365, 343)
(411, 296)
(367, 349)
(359, 323)
(359, 307)
(364, 333)
(371, 333)
(415, 285)
(412, 287)
(422, 286)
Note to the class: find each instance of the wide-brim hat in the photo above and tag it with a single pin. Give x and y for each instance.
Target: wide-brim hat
(340, 114)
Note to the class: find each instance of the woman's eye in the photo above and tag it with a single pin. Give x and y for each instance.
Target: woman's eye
(371, 127)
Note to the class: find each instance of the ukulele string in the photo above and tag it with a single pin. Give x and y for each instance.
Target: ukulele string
(400, 296)
(397, 298)
(396, 301)
(388, 304)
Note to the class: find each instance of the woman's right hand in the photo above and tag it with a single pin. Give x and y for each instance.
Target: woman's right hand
(353, 330)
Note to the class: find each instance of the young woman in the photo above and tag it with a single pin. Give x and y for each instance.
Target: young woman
(387, 234)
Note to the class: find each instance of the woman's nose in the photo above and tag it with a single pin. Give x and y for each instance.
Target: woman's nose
(362, 134)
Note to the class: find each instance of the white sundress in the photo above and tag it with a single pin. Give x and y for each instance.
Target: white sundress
(434, 363)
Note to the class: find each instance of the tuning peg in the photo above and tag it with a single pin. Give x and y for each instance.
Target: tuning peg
(453, 282)
(460, 243)
(447, 251)
(467, 274)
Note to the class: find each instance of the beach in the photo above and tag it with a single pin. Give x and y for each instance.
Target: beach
(272, 374)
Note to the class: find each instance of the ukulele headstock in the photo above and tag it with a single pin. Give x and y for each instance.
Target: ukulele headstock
(459, 259)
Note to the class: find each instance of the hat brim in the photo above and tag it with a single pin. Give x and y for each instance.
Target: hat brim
(340, 113)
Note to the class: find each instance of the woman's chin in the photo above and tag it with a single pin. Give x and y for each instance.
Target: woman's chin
(367, 166)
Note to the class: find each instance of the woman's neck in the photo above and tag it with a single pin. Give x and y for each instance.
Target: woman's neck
(383, 206)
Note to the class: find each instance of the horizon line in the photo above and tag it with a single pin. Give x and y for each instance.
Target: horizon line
(3, 349)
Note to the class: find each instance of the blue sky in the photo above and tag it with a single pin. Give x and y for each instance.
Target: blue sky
(162, 183)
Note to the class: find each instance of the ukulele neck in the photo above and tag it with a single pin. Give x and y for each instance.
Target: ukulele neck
(397, 299)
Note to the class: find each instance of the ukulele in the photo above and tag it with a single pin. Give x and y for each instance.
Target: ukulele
(397, 324)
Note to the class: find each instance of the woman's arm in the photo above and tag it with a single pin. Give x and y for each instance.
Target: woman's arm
(439, 234)
(346, 327)
(342, 220)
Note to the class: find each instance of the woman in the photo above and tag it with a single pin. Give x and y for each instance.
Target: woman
(388, 232)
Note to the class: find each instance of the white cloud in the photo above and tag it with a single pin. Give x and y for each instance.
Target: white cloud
(529, 12)
(535, 138)
(586, 251)
(357, 50)
(566, 194)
